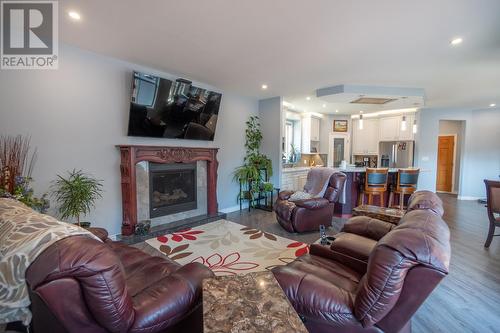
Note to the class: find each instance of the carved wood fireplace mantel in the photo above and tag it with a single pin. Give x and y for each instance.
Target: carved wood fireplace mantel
(133, 154)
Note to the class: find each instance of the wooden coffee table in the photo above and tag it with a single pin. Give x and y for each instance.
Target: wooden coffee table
(390, 215)
(252, 302)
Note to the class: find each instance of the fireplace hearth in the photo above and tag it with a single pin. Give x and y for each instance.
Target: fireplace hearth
(172, 188)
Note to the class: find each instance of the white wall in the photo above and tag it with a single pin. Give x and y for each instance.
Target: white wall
(272, 116)
(480, 153)
(78, 113)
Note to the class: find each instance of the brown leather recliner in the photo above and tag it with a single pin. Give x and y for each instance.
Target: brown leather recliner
(336, 294)
(309, 214)
(79, 284)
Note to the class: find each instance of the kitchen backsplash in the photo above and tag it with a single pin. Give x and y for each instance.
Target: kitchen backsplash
(307, 160)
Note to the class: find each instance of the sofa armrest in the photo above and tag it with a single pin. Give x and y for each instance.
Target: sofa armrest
(367, 227)
(100, 233)
(314, 203)
(166, 302)
(350, 262)
(285, 195)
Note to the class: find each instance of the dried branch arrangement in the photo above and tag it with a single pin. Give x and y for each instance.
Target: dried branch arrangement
(15, 160)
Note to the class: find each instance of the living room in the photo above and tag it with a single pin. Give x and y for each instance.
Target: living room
(249, 167)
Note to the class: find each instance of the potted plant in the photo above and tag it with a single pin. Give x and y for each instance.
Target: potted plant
(76, 195)
(249, 174)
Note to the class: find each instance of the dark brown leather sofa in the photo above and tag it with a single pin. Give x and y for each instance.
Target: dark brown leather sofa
(309, 214)
(79, 284)
(346, 292)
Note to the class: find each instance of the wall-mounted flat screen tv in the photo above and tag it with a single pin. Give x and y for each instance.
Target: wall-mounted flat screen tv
(162, 108)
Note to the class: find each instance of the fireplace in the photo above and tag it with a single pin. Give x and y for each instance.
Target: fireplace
(172, 188)
(133, 156)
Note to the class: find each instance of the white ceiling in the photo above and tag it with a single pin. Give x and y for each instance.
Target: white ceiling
(297, 46)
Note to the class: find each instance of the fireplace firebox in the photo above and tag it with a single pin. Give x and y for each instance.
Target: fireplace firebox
(172, 188)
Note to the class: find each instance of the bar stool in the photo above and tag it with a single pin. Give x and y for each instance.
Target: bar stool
(375, 184)
(406, 184)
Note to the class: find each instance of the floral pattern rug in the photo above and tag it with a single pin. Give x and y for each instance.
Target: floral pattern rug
(229, 248)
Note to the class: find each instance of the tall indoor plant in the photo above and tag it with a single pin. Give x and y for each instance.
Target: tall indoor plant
(76, 194)
(250, 175)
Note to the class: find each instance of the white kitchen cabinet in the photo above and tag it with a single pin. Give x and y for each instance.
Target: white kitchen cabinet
(365, 141)
(407, 135)
(310, 132)
(314, 129)
(389, 128)
(294, 179)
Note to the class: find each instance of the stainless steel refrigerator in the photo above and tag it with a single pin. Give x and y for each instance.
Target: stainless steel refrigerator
(396, 154)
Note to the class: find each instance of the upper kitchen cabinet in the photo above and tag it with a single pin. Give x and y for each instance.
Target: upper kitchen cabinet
(391, 128)
(365, 141)
(310, 133)
(406, 133)
(315, 129)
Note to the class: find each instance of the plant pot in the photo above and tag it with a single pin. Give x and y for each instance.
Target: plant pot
(85, 225)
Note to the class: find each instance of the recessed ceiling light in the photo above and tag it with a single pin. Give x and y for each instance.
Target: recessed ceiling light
(264, 86)
(74, 15)
(360, 111)
(336, 111)
(492, 105)
(308, 98)
(324, 105)
(456, 41)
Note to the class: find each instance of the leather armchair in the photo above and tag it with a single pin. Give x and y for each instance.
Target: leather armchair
(79, 284)
(309, 214)
(334, 293)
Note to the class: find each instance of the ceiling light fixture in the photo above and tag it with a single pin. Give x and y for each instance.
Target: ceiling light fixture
(74, 15)
(492, 105)
(456, 41)
(264, 86)
(360, 123)
(336, 111)
(403, 124)
(324, 105)
(308, 98)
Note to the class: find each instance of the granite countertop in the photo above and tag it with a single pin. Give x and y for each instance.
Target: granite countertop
(253, 302)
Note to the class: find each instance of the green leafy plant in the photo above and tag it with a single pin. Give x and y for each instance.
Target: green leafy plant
(249, 174)
(267, 187)
(76, 194)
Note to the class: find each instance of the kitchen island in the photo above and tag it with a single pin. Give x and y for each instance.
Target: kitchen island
(296, 177)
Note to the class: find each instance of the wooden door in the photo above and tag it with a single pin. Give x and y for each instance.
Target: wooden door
(446, 146)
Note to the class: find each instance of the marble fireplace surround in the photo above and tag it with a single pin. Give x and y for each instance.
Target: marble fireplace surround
(131, 155)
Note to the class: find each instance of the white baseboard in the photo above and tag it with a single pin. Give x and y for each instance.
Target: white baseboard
(234, 208)
(464, 197)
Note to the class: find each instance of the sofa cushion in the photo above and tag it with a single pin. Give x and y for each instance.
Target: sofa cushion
(319, 288)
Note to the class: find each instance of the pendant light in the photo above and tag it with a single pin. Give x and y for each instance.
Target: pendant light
(414, 126)
(360, 122)
(403, 124)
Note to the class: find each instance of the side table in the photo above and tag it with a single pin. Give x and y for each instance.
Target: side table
(252, 302)
(390, 215)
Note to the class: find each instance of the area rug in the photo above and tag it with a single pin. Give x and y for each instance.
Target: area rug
(229, 248)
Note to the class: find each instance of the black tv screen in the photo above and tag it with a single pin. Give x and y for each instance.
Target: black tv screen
(162, 108)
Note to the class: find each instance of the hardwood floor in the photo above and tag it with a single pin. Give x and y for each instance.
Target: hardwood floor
(468, 299)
